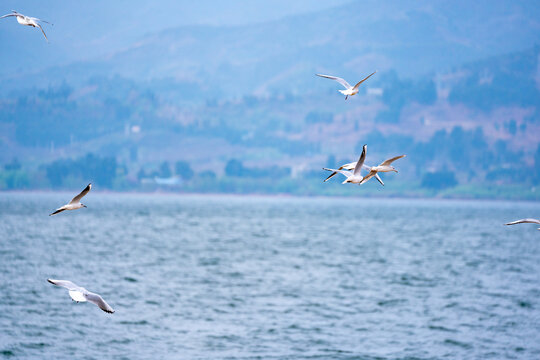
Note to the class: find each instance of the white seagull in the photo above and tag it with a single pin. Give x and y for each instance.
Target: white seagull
(350, 166)
(28, 21)
(75, 203)
(80, 294)
(524, 221)
(353, 177)
(349, 90)
(385, 166)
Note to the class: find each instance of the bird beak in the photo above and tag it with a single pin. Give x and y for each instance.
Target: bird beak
(85, 206)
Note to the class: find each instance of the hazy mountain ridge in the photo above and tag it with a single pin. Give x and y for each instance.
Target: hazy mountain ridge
(209, 95)
(351, 40)
(141, 128)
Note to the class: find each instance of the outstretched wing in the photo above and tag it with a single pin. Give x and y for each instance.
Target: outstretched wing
(43, 21)
(8, 15)
(379, 179)
(98, 300)
(334, 173)
(371, 174)
(344, 172)
(338, 79)
(42, 31)
(57, 211)
(389, 161)
(361, 81)
(64, 283)
(78, 198)
(524, 221)
(360, 162)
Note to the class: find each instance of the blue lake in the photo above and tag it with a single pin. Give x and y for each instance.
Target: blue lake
(223, 277)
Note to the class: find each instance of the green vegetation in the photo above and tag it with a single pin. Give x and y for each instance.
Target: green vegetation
(128, 135)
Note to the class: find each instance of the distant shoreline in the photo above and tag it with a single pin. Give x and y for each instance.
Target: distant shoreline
(269, 195)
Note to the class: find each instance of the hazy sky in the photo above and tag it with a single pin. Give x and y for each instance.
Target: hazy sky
(84, 29)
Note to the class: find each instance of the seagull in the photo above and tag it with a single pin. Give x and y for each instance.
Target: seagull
(385, 166)
(78, 293)
(525, 221)
(350, 90)
(28, 21)
(353, 177)
(75, 203)
(351, 166)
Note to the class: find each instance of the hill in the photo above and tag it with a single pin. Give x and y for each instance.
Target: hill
(412, 38)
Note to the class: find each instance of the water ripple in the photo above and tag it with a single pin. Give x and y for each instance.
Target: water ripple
(203, 277)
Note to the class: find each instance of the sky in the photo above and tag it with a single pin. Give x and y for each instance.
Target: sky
(86, 30)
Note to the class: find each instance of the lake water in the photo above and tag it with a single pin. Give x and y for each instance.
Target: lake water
(206, 277)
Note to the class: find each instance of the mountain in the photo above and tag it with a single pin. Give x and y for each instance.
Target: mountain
(85, 31)
(457, 90)
(352, 40)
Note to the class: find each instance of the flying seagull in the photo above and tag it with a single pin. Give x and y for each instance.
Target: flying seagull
(385, 166)
(349, 90)
(351, 166)
(75, 203)
(28, 21)
(525, 221)
(353, 177)
(80, 294)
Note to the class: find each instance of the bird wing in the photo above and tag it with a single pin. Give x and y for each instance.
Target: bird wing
(389, 161)
(57, 211)
(8, 15)
(523, 221)
(367, 167)
(371, 174)
(379, 179)
(338, 79)
(42, 31)
(43, 21)
(360, 162)
(346, 166)
(334, 173)
(78, 198)
(64, 283)
(361, 81)
(344, 172)
(98, 300)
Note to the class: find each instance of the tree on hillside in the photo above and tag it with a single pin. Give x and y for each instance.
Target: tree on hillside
(183, 169)
(165, 170)
(439, 180)
(13, 165)
(90, 168)
(234, 168)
